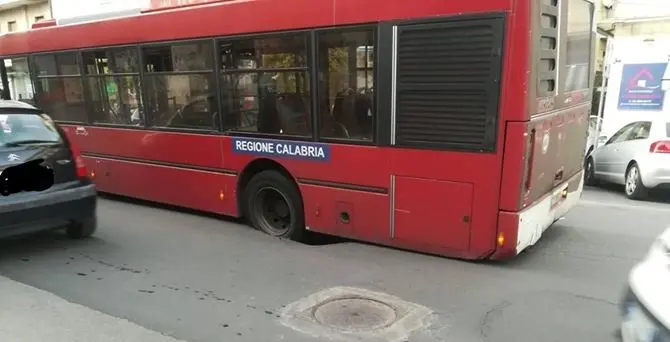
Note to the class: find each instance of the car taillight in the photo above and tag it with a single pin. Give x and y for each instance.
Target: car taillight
(660, 147)
(78, 161)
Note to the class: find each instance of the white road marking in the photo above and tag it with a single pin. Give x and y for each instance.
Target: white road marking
(649, 207)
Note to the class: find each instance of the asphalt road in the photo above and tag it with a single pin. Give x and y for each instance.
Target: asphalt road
(199, 278)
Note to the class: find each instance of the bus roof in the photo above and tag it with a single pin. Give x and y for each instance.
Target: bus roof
(232, 18)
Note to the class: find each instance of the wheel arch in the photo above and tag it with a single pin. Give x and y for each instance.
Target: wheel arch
(253, 168)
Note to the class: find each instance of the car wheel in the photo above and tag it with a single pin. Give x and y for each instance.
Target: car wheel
(82, 229)
(589, 173)
(274, 206)
(634, 188)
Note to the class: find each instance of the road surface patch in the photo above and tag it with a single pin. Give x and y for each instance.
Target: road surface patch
(354, 314)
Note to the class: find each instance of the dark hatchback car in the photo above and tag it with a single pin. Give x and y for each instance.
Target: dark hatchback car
(27, 135)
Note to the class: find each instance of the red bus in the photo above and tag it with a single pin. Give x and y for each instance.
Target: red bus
(454, 128)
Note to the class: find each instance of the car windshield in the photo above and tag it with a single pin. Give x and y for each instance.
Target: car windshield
(27, 129)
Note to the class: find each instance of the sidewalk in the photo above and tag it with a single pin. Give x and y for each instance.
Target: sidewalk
(28, 314)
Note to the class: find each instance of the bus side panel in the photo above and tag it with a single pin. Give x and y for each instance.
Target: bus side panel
(359, 180)
(557, 150)
(347, 213)
(196, 150)
(173, 168)
(432, 212)
(188, 188)
(462, 199)
(346, 167)
(514, 161)
(344, 194)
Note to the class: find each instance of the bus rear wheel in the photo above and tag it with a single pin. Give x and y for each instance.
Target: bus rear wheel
(274, 206)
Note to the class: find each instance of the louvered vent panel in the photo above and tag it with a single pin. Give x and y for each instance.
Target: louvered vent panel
(447, 83)
(548, 36)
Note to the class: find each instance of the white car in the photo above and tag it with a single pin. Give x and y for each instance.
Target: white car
(646, 305)
(636, 156)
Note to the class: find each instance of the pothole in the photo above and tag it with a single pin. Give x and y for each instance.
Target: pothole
(355, 314)
(345, 312)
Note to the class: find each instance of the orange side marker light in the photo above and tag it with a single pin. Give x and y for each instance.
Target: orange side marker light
(501, 239)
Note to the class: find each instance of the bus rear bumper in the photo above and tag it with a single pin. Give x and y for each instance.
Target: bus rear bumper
(518, 231)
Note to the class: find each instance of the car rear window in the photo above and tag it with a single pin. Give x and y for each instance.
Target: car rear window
(667, 129)
(25, 129)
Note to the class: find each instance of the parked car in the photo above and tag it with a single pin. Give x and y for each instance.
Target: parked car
(645, 308)
(636, 156)
(28, 136)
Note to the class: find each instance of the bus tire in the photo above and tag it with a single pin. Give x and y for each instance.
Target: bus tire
(274, 206)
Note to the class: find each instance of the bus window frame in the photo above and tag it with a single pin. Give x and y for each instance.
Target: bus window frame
(88, 76)
(6, 79)
(563, 27)
(382, 71)
(149, 119)
(307, 34)
(311, 47)
(375, 83)
(37, 90)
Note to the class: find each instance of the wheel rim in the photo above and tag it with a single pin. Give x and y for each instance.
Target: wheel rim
(631, 181)
(273, 210)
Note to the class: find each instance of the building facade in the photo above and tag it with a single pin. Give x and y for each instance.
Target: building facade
(645, 19)
(20, 15)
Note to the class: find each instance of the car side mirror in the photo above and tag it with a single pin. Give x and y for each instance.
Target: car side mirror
(602, 139)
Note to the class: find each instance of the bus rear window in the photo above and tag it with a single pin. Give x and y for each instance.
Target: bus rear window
(576, 74)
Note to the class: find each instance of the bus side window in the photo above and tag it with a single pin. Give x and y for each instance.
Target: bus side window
(59, 88)
(113, 81)
(265, 85)
(19, 82)
(346, 84)
(179, 83)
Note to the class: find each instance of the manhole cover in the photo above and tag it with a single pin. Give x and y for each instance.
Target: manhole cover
(355, 314)
(348, 314)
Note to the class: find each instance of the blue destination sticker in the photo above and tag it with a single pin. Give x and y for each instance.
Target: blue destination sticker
(282, 148)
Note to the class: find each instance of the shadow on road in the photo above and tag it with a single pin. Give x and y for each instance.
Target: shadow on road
(41, 244)
(315, 239)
